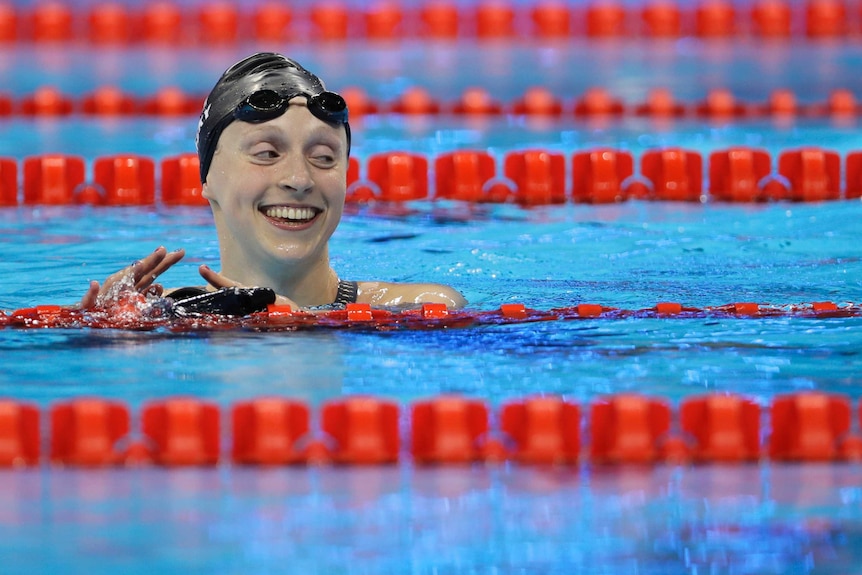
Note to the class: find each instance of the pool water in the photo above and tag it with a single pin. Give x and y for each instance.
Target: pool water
(760, 518)
(767, 518)
(782, 520)
(629, 256)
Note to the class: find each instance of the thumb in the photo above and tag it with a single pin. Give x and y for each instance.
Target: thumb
(216, 279)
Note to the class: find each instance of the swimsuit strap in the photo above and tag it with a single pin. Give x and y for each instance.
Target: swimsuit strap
(347, 293)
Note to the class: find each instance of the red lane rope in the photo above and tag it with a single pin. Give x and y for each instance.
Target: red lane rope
(625, 428)
(362, 430)
(224, 22)
(537, 101)
(527, 177)
(129, 315)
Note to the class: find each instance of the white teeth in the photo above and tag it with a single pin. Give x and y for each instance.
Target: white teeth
(292, 214)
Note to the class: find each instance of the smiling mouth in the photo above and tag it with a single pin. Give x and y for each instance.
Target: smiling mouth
(291, 216)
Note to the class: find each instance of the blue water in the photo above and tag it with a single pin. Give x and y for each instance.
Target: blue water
(630, 256)
(657, 521)
(748, 519)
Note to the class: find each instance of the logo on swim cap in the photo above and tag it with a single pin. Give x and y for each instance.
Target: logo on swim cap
(204, 117)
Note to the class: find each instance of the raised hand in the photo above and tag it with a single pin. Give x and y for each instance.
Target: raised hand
(140, 277)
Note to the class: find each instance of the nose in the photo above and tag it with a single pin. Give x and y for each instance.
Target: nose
(294, 175)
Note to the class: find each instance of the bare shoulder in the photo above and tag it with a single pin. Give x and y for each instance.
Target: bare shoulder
(390, 294)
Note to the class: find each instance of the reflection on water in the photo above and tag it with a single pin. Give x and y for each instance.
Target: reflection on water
(402, 519)
(50, 365)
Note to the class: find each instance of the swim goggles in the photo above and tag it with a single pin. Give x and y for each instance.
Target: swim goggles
(265, 105)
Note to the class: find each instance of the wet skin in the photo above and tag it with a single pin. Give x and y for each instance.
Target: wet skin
(277, 193)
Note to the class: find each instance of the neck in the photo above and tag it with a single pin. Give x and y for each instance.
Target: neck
(306, 284)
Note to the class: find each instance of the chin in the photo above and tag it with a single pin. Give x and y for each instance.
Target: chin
(295, 253)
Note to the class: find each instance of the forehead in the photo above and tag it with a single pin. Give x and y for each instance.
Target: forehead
(296, 122)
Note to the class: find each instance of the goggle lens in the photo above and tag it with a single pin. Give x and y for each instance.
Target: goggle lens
(331, 104)
(264, 101)
(265, 105)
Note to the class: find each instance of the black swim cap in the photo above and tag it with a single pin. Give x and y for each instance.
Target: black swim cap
(278, 78)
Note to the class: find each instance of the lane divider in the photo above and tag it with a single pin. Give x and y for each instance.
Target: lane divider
(596, 102)
(443, 430)
(526, 177)
(138, 314)
(225, 22)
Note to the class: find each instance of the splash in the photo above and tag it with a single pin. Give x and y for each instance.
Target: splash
(123, 304)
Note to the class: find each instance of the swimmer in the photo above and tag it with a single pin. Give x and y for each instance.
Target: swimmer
(273, 145)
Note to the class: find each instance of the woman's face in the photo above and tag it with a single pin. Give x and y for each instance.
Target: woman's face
(277, 188)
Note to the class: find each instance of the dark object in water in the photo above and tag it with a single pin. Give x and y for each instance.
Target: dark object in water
(225, 301)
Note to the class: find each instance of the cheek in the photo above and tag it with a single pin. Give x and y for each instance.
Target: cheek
(228, 185)
(336, 183)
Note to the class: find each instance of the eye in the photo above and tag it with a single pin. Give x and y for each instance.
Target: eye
(323, 157)
(263, 152)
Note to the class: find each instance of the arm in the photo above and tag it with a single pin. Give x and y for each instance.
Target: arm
(389, 294)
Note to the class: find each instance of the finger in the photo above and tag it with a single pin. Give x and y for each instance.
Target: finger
(147, 264)
(141, 271)
(156, 290)
(151, 267)
(89, 299)
(215, 279)
(169, 260)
